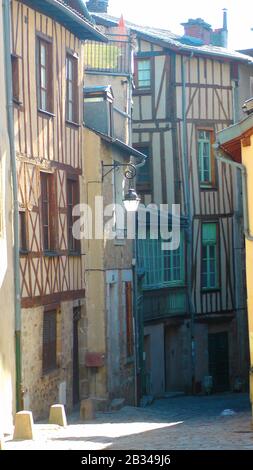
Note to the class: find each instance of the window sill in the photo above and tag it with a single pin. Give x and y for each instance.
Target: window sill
(74, 253)
(23, 252)
(47, 114)
(119, 241)
(171, 287)
(17, 102)
(142, 91)
(208, 187)
(73, 124)
(211, 290)
(50, 372)
(51, 254)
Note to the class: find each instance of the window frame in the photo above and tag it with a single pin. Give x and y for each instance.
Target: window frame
(137, 73)
(51, 247)
(206, 184)
(73, 59)
(210, 287)
(74, 181)
(48, 67)
(161, 283)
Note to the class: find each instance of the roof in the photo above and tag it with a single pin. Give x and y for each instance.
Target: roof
(77, 21)
(247, 52)
(229, 139)
(98, 89)
(167, 39)
(119, 144)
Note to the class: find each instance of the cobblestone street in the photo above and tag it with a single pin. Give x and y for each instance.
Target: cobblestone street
(167, 424)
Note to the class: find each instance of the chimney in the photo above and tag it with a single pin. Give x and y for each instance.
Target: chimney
(97, 6)
(224, 33)
(198, 28)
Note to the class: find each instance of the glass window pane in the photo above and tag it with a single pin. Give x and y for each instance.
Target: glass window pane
(43, 78)
(43, 103)
(43, 54)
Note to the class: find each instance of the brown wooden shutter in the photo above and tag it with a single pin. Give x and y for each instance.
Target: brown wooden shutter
(49, 341)
(129, 318)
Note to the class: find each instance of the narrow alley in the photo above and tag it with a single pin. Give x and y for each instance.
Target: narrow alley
(180, 423)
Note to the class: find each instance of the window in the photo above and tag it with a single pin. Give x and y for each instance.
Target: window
(206, 157)
(234, 71)
(49, 341)
(45, 76)
(15, 77)
(22, 232)
(143, 73)
(72, 200)
(163, 268)
(209, 271)
(129, 319)
(71, 89)
(48, 209)
(143, 176)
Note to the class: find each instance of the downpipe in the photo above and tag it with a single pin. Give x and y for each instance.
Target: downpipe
(8, 82)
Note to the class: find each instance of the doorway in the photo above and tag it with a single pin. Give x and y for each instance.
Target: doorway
(76, 318)
(218, 352)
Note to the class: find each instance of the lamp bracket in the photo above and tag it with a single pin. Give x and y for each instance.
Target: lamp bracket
(130, 171)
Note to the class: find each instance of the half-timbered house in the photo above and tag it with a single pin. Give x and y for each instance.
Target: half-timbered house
(7, 296)
(110, 357)
(187, 89)
(47, 64)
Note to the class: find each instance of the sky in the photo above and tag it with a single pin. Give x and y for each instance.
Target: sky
(169, 14)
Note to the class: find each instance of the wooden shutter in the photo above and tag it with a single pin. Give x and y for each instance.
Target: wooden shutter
(49, 341)
(129, 318)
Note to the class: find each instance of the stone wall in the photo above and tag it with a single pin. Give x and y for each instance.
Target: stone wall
(43, 390)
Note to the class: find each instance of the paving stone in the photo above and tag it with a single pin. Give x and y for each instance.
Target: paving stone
(184, 423)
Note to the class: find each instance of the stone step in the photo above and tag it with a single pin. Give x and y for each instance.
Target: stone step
(117, 403)
(146, 400)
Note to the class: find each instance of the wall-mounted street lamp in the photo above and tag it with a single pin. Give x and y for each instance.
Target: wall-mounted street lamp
(131, 200)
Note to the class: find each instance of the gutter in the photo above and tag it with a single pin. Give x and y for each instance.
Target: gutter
(71, 15)
(126, 148)
(8, 74)
(220, 156)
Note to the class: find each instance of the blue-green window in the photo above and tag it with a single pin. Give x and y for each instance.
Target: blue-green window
(143, 176)
(162, 268)
(144, 73)
(205, 157)
(209, 272)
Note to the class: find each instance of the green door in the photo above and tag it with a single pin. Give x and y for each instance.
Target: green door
(219, 360)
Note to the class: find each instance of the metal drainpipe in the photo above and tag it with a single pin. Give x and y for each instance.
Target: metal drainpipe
(242, 168)
(8, 75)
(189, 218)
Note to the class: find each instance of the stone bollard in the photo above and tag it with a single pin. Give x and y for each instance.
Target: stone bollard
(57, 415)
(1, 443)
(23, 425)
(87, 411)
